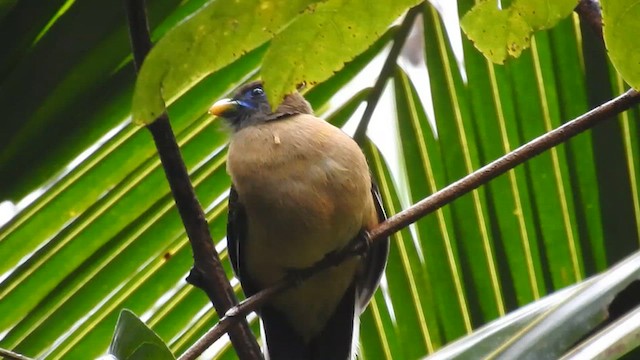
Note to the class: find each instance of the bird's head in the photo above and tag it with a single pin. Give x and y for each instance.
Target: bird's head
(250, 107)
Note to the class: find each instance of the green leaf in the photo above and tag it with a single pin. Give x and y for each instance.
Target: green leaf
(218, 34)
(314, 46)
(543, 14)
(496, 33)
(484, 341)
(134, 340)
(148, 351)
(105, 235)
(470, 214)
(319, 95)
(405, 276)
(422, 157)
(567, 314)
(377, 337)
(65, 97)
(581, 312)
(6, 6)
(499, 33)
(621, 28)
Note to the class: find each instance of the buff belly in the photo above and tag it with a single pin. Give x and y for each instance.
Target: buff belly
(300, 205)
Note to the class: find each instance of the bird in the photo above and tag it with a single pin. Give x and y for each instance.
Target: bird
(301, 190)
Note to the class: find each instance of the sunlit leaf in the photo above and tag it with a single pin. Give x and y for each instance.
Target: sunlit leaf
(105, 234)
(134, 340)
(213, 37)
(621, 27)
(314, 46)
(500, 33)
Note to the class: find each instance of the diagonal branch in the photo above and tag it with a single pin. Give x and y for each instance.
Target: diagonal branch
(437, 200)
(387, 71)
(207, 272)
(589, 12)
(507, 162)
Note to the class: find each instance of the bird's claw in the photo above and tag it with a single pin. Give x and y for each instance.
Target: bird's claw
(297, 275)
(365, 240)
(361, 244)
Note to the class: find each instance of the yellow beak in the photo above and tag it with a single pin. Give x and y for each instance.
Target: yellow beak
(223, 107)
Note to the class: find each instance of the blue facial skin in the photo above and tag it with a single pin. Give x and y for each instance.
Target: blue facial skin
(251, 98)
(246, 108)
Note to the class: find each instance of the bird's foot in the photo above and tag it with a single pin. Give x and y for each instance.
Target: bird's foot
(298, 276)
(330, 259)
(363, 242)
(359, 245)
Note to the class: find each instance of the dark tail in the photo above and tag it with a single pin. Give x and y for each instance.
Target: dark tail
(333, 343)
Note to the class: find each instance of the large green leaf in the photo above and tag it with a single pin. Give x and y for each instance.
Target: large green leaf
(619, 18)
(59, 100)
(313, 47)
(134, 340)
(500, 32)
(216, 35)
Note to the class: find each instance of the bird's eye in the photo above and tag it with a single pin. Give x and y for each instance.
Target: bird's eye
(257, 92)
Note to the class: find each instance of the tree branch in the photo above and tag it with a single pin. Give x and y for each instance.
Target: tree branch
(426, 206)
(207, 272)
(387, 71)
(589, 12)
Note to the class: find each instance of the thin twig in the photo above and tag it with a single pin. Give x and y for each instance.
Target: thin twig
(207, 272)
(437, 200)
(387, 71)
(8, 354)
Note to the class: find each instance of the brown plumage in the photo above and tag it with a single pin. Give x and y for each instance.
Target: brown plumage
(301, 189)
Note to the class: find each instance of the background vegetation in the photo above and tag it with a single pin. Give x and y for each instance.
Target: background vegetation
(96, 230)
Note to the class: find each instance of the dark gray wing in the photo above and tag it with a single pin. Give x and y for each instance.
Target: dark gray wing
(236, 237)
(375, 260)
(282, 342)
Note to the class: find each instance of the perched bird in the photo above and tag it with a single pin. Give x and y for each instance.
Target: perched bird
(301, 190)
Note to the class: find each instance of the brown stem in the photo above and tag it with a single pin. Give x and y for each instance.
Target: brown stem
(207, 272)
(387, 71)
(589, 11)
